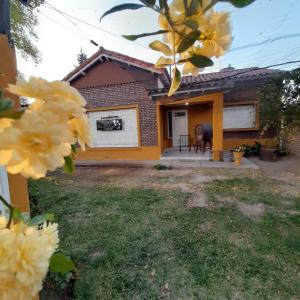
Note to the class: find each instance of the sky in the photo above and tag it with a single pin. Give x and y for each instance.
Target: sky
(61, 37)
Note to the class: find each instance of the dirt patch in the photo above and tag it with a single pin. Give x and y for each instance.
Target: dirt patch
(198, 200)
(96, 254)
(225, 200)
(251, 210)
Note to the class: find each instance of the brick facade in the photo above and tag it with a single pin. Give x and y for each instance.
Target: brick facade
(130, 93)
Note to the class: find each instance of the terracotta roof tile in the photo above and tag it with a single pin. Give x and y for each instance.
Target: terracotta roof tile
(248, 73)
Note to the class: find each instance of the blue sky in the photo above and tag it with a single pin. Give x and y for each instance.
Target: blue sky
(60, 38)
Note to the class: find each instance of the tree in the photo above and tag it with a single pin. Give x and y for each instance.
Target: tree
(280, 105)
(81, 57)
(23, 23)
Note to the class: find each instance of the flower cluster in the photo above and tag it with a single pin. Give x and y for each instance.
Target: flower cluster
(24, 258)
(194, 34)
(42, 137)
(239, 149)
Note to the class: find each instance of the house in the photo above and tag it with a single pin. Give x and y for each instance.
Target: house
(131, 116)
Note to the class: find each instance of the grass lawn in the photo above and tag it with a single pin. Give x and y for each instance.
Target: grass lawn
(144, 243)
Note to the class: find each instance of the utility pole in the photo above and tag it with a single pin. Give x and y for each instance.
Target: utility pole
(8, 73)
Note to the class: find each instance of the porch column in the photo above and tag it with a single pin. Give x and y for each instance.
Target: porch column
(8, 72)
(218, 127)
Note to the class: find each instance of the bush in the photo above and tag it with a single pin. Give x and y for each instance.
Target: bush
(252, 150)
(160, 167)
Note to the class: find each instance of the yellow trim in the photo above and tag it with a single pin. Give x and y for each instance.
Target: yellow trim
(234, 142)
(8, 72)
(141, 153)
(113, 107)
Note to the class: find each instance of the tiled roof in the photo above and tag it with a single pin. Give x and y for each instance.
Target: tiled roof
(226, 74)
(118, 56)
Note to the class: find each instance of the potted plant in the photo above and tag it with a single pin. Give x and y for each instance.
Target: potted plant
(238, 153)
(268, 153)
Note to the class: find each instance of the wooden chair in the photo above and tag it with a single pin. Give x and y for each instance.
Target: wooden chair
(185, 141)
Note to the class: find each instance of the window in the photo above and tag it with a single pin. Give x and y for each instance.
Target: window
(179, 114)
(170, 125)
(114, 128)
(239, 116)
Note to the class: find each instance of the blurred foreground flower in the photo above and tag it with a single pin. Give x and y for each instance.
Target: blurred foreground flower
(25, 254)
(41, 139)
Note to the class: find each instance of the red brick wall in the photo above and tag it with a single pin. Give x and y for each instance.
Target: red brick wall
(130, 93)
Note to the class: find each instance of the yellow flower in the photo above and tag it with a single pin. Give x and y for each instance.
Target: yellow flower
(64, 109)
(3, 222)
(189, 68)
(81, 130)
(25, 253)
(4, 123)
(215, 33)
(41, 89)
(50, 231)
(36, 143)
(33, 252)
(7, 244)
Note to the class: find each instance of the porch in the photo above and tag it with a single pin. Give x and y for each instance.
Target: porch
(185, 154)
(179, 117)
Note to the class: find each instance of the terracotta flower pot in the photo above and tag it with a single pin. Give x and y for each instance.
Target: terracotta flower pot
(237, 156)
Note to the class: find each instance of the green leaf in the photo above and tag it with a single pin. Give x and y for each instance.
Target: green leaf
(149, 3)
(11, 114)
(161, 47)
(133, 37)
(74, 148)
(191, 24)
(192, 8)
(17, 214)
(121, 7)
(61, 263)
(69, 164)
(5, 104)
(163, 5)
(49, 217)
(175, 82)
(37, 220)
(200, 61)
(239, 3)
(188, 40)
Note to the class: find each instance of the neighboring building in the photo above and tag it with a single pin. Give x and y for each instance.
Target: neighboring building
(131, 116)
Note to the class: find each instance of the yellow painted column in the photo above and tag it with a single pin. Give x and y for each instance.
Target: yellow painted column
(159, 125)
(218, 127)
(8, 73)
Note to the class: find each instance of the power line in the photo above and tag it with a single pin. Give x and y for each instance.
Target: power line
(62, 25)
(67, 18)
(75, 32)
(91, 25)
(268, 41)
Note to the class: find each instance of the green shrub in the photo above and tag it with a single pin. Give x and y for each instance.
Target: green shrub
(160, 167)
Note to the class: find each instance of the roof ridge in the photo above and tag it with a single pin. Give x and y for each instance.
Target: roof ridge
(117, 55)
